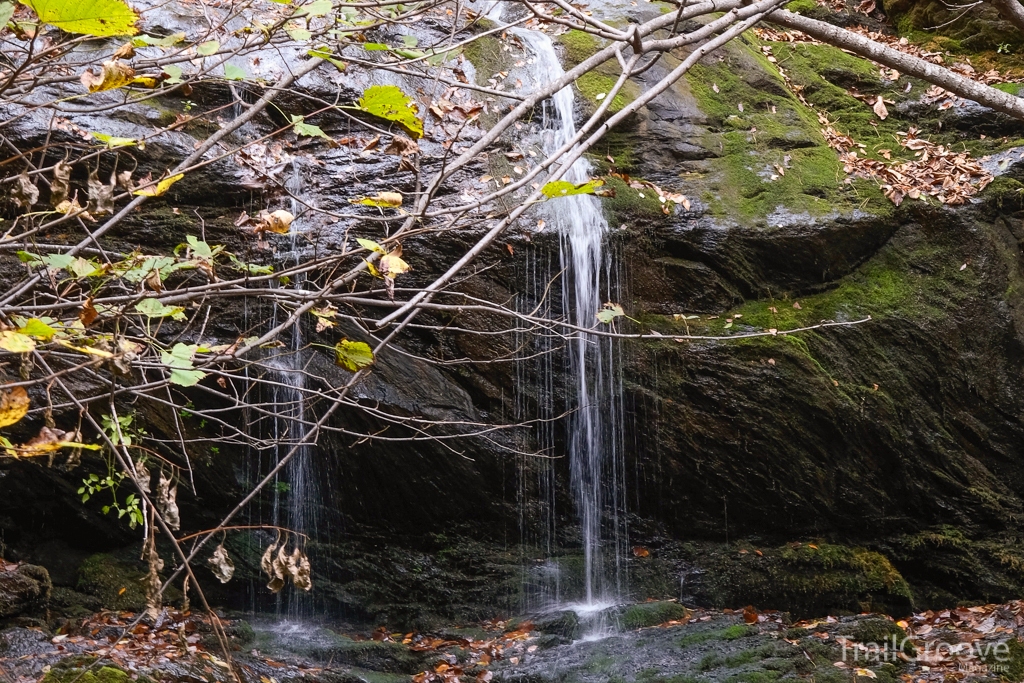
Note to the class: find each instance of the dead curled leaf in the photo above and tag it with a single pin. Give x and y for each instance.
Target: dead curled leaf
(166, 501)
(24, 193)
(113, 75)
(279, 565)
(221, 565)
(879, 108)
(279, 222)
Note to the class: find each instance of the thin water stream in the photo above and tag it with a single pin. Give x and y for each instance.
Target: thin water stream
(594, 436)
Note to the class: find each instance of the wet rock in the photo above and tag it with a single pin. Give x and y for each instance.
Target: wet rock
(565, 624)
(318, 644)
(24, 590)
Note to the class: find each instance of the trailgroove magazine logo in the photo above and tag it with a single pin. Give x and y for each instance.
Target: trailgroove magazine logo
(974, 657)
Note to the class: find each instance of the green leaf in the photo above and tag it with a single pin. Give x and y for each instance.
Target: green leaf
(353, 356)
(308, 129)
(174, 72)
(152, 308)
(29, 258)
(234, 73)
(80, 267)
(157, 41)
(317, 8)
(94, 17)
(410, 41)
(58, 261)
(324, 52)
(439, 58)
(563, 188)
(180, 356)
(208, 48)
(6, 12)
(186, 378)
(296, 32)
(390, 103)
(374, 47)
(610, 312)
(251, 268)
(113, 142)
(34, 327)
(199, 247)
(16, 342)
(409, 54)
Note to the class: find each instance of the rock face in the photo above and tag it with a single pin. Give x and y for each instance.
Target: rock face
(24, 590)
(895, 446)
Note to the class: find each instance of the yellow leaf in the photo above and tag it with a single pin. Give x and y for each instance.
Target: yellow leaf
(371, 245)
(95, 17)
(146, 81)
(47, 441)
(114, 75)
(86, 349)
(278, 222)
(13, 405)
(392, 264)
(352, 355)
(16, 342)
(160, 187)
(384, 199)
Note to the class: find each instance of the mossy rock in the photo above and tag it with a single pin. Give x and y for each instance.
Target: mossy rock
(578, 46)
(651, 614)
(102, 674)
(806, 580)
(734, 632)
(117, 584)
(324, 645)
(565, 624)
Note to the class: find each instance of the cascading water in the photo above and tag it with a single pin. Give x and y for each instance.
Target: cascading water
(594, 435)
(296, 494)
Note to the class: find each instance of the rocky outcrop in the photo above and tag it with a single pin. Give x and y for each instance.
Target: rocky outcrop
(897, 441)
(24, 590)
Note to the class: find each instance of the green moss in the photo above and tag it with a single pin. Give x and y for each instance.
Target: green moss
(802, 6)
(103, 674)
(116, 584)
(597, 82)
(651, 614)
(486, 56)
(579, 45)
(730, 633)
(1005, 193)
(630, 205)
(1010, 665)
(772, 151)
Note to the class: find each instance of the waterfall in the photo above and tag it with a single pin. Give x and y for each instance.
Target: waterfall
(296, 494)
(594, 435)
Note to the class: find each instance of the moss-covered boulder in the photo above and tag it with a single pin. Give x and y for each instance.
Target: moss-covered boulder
(646, 614)
(804, 579)
(68, 672)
